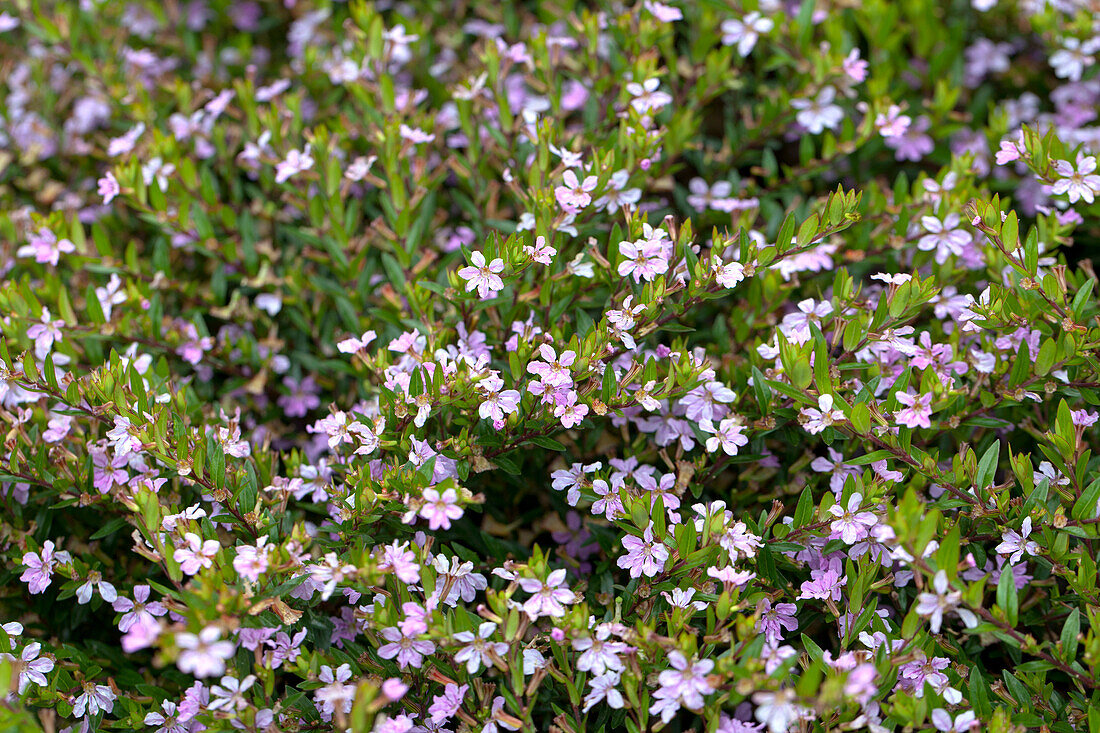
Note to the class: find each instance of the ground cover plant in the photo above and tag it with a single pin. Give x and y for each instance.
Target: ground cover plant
(445, 366)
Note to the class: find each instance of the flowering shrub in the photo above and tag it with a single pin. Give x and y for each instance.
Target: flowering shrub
(484, 367)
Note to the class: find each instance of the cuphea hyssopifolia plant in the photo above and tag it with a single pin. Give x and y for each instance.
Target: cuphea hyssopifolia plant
(654, 367)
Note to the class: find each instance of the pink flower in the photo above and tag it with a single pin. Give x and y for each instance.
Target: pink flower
(540, 252)
(94, 700)
(497, 403)
(645, 556)
(892, 123)
(819, 114)
(855, 67)
(796, 326)
(774, 619)
(1008, 153)
(823, 584)
(665, 14)
(141, 635)
(744, 33)
(550, 597)
(251, 560)
(478, 650)
(32, 668)
(1083, 418)
(203, 654)
(302, 398)
(647, 97)
(554, 370)
(941, 601)
(95, 581)
(399, 560)
(295, 162)
(575, 195)
(45, 247)
(108, 187)
(352, 345)
(335, 694)
(1016, 544)
(643, 259)
(197, 555)
(485, 278)
(604, 689)
(943, 236)
(684, 684)
(964, 722)
(917, 412)
(440, 509)
(837, 469)
(45, 333)
(570, 412)
(816, 420)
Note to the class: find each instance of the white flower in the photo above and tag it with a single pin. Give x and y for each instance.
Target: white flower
(777, 710)
(934, 605)
(745, 32)
(1079, 183)
(820, 113)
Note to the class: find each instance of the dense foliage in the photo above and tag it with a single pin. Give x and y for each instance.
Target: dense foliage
(442, 366)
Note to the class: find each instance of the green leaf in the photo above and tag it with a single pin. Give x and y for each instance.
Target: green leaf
(861, 418)
(987, 466)
(1085, 507)
(548, 443)
(760, 388)
(1068, 638)
(1045, 360)
(109, 528)
(1081, 299)
(1007, 598)
(786, 234)
(609, 386)
(979, 694)
(804, 512)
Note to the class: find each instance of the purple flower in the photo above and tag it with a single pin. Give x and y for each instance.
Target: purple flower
(851, 525)
(774, 619)
(644, 555)
(1016, 544)
(478, 650)
(684, 684)
(335, 694)
(444, 706)
(407, 649)
(40, 566)
(823, 584)
(32, 668)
